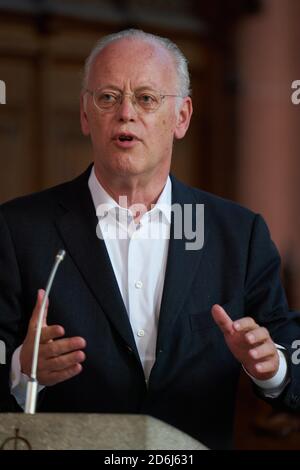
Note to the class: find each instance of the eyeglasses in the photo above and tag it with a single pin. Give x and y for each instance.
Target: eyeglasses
(108, 100)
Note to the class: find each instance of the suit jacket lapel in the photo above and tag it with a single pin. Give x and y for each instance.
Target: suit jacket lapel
(182, 266)
(77, 227)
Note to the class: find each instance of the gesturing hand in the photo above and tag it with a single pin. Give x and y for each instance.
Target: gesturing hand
(59, 359)
(250, 344)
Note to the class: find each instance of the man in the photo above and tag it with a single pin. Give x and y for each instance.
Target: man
(138, 324)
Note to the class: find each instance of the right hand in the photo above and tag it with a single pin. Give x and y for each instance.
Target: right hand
(59, 359)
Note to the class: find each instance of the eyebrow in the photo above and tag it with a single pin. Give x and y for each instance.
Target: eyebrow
(139, 88)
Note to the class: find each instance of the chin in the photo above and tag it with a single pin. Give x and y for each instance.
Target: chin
(127, 165)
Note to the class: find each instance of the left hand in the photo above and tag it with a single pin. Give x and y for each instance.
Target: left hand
(250, 344)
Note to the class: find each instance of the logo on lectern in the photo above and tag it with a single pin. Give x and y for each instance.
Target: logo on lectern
(16, 443)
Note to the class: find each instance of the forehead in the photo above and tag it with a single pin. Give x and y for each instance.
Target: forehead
(136, 62)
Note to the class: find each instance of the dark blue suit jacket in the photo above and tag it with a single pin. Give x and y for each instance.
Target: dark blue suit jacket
(194, 380)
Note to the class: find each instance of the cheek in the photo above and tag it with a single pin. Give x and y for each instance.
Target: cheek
(165, 129)
(99, 129)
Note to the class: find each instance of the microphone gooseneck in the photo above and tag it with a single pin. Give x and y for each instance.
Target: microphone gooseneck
(32, 385)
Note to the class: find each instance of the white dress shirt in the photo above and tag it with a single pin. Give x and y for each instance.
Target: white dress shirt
(138, 254)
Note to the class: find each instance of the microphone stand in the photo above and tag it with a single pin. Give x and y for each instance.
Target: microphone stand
(32, 385)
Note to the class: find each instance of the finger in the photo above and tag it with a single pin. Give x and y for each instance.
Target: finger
(57, 377)
(263, 351)
(223, 320)
(62, 362)
(62, 346)
(37, 308)
(257, 335)
(51, 332)
(268, 366)
(244, 324)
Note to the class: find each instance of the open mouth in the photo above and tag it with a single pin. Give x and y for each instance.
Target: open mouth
(123, 138)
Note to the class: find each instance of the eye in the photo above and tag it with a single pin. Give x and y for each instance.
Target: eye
(106, 98)
(147, 100)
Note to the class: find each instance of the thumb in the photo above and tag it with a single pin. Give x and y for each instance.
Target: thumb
(37, 308)
(222, 319)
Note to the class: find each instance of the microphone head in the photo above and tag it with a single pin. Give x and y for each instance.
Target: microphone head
(60, 255)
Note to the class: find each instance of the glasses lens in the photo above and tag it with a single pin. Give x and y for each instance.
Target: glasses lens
(106, 99)
(148, 101)
(145, 100)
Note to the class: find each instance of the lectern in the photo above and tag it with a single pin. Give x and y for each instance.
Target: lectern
(66, 431)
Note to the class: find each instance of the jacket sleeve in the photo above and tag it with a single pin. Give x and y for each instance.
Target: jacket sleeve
(12, 325)
(265, 300)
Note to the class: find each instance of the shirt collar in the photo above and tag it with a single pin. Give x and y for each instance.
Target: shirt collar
(102, 199)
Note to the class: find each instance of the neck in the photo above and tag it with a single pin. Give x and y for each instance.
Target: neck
(128, 191)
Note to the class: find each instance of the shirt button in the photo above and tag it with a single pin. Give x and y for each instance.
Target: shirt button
(141, 333)
(138, 284)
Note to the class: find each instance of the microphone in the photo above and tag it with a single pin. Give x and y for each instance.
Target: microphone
(32, 385)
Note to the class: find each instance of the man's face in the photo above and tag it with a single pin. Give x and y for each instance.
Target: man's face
(127, 66)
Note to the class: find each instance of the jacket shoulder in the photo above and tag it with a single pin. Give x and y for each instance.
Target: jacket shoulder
(221, 208)
(46, 199)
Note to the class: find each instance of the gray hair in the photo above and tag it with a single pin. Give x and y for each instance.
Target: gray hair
(180, 61)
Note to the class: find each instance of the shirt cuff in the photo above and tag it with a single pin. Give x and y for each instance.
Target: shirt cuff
(273, 387)
(18, 380)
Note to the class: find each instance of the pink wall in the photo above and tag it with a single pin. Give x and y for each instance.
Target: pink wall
(268, 141)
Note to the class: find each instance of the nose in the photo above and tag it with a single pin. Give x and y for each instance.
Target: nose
(126, 110)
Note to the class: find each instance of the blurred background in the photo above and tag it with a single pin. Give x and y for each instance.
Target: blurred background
(244, 140)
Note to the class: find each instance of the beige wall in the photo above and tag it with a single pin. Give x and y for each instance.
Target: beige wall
(40, 137)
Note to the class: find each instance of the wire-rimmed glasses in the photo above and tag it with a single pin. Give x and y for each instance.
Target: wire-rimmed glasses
(144, 100)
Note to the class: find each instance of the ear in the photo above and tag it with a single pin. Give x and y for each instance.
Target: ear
(183, 119)
(85, 128)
